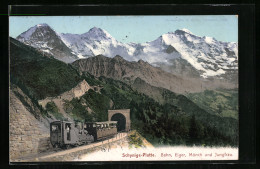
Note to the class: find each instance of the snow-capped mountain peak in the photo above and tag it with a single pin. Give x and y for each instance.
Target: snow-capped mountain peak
(43, 25)
(97, 34)
(209, 40)
(29, 33)
(43, 37)
(186, 30)
(96, 30)
(183, 32)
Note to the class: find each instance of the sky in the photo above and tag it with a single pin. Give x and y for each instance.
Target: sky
(136, 29)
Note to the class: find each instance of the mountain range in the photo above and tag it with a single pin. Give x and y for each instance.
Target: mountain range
(180, 52)
(162, 116)
(129, 72)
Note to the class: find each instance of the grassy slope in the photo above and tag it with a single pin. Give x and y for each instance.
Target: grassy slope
(223, 103)
(39, 75)
(167, 122)
(228, 126)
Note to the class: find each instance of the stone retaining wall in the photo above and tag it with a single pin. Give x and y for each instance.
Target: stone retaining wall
(27, 136)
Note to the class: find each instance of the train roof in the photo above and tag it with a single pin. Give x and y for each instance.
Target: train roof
(59, 121)
(103, 122)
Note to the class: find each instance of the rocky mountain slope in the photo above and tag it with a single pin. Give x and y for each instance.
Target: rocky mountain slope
(200, 56)
(120, 69)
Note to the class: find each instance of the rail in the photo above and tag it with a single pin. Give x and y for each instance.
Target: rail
(52, 155)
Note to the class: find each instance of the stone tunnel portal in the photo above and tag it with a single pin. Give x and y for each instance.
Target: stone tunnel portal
(122, 116)
(121, 121)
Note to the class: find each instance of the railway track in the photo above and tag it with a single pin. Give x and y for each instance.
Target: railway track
(61, 152)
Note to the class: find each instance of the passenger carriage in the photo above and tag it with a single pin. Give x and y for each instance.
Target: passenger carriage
(101, 130)
(65, 133)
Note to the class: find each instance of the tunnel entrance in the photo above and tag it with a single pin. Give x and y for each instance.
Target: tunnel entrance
(122, 116)
(121, 121)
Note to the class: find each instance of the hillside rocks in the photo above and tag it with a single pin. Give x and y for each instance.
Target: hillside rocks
(75, 92)
(27, 102)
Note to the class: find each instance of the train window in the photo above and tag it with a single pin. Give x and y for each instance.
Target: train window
(68, 128)
(55, 128)
(94, 125)
(98, 126)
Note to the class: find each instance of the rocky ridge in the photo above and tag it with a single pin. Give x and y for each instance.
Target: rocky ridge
(120, 69)
(75, 92)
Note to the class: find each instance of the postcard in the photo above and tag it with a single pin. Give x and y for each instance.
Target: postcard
(123, 88)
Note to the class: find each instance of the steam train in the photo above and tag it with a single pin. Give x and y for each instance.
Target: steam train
(64, 134)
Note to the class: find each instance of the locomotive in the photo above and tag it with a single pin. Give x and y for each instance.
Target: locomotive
(66, 134)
